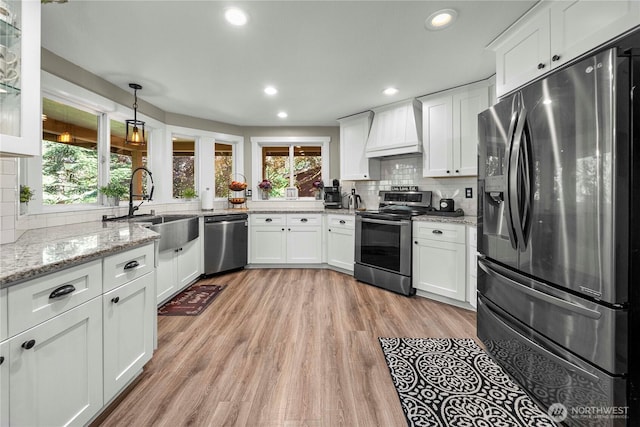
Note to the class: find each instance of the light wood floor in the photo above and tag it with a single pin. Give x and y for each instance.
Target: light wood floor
(294, 347)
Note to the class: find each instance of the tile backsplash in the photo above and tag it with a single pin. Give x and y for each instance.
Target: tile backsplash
(9, 200)
(407, 170)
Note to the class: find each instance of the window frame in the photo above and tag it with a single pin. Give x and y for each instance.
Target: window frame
(257, 142)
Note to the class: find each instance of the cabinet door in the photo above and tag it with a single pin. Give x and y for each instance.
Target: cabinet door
(21, 124)
(525, 55)
(304, 245)
(55, 369)
(440, 268)
(129, 316)
(4, 384)
(3, 314)
(472, 267)
(166, 282)
(341, 247)
(466, 107)
(437, 121)
(189, 263)
(354, 164)
(268, 245)
(579, 26)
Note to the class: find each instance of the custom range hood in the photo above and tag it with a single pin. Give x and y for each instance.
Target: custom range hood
(396, 129)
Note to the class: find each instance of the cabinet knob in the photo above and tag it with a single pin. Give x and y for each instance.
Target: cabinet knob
(283, 229)
(448, 171)
(115, 300)
(540, 66)
(416, 242)
(176, 250)
(1, 360)
(329, 229)
(555, 58)
(28, 345)
(131, 264)
(288, 229)
(457, 171)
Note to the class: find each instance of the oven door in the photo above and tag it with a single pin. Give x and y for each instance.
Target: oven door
(384, 244)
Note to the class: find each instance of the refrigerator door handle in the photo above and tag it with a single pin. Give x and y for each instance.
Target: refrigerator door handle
(516, 176)
(509, 194)
(569, 306)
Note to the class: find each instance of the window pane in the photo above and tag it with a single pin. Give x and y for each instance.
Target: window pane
(275, 168)
(307, 168)
(69, 154)
(183, 165)
(223, 167)
(124, 158)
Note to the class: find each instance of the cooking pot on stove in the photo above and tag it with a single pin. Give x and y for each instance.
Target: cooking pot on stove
(447, 205)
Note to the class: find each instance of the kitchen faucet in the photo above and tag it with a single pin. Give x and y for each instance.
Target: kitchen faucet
(132, 208)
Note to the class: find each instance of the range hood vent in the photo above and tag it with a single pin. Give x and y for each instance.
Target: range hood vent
(396, 129)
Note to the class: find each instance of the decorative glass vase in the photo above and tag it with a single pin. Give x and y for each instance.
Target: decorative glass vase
(264, 194)
(318, 194)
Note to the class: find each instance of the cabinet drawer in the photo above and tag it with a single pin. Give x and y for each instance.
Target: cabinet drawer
(304, 219)
(40, 299)
(126, 266)
(439, 231)
(341, 221)
(268, 219)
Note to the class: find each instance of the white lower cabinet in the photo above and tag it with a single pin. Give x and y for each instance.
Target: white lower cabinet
(341, 241)
(177, 268)
(129, 314)
(55, 369)
(439, 259)
(472, 268)
(4, 383)
(285, 239)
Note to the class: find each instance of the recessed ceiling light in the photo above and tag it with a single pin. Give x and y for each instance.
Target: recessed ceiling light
(236, 16)
(270, 90)
(441, 19)
(283, 115)
(390, 91)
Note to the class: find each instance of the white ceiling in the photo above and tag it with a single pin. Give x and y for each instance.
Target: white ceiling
(328, 59)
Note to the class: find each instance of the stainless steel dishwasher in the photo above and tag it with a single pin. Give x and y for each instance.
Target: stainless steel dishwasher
(225, 242)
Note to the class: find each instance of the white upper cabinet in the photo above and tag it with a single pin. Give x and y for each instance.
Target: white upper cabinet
(396, 129)
(451, 130)
(354, 164)
(554, 33)
(20, 126)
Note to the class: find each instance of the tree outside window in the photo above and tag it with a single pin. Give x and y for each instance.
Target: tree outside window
(124, 158)
(183, 165)
(223, 167)
(292, 166)
(69, 154)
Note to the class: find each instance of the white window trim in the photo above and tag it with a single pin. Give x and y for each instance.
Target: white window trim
(257, 142)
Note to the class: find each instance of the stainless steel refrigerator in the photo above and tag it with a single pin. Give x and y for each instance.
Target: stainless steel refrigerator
(558, 221)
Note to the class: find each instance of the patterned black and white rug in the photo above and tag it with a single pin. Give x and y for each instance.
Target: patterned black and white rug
(452, 382)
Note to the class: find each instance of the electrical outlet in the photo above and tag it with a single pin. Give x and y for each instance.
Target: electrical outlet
(249, 192)
(468, 192)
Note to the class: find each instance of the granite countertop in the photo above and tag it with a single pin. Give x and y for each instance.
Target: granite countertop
(262, 211)
(44, 250)
(465, 220)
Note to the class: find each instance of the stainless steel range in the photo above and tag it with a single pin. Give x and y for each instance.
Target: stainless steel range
(383, 240)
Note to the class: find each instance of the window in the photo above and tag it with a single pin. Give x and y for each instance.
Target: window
(184, 166)
(69, 154)
(223, 167)
(291, 162)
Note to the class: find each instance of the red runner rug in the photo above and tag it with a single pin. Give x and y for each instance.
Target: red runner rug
(192, 301)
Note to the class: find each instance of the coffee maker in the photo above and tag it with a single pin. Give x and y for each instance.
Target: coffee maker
(333, 196)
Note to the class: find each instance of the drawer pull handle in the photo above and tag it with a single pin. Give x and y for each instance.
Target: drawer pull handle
(1, 360)
(437, 232)
(540, 66)
(115, 300)
(304, 220)
(342, 221)
(131, 264)
(268, 220)
(28, 345)
(62, 291)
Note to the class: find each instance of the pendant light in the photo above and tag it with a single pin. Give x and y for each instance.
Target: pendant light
(135, 128)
